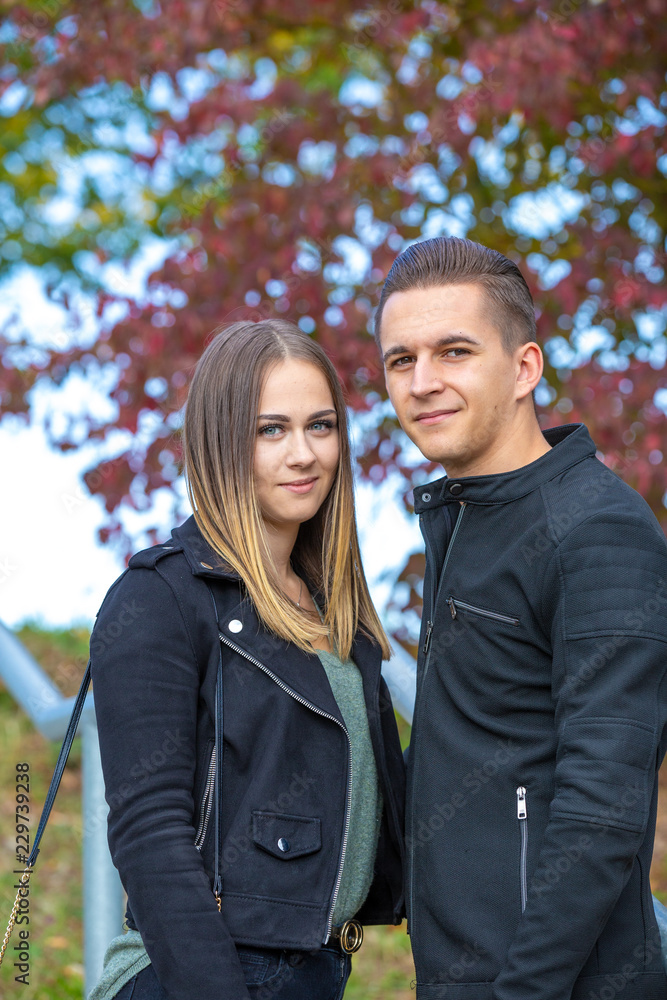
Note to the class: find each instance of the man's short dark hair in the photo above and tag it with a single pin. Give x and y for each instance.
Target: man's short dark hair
(450, 260)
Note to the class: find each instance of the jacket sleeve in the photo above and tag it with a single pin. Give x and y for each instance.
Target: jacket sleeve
(146, 689)
(606, 592)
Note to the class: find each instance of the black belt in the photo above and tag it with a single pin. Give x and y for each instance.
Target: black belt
(349, 936)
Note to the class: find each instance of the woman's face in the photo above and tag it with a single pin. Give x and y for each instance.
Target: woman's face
(297, 447)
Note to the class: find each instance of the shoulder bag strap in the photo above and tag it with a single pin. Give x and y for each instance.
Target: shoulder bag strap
(48, 804)
(217, 794)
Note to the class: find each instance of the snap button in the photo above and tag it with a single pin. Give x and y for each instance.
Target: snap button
(205, 565)
(455, 489)
(235, 625)
(426, 497)
(283, 845)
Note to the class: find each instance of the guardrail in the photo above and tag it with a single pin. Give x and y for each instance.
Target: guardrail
(49, 710)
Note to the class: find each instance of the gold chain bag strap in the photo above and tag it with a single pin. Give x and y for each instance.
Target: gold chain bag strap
(48, 804)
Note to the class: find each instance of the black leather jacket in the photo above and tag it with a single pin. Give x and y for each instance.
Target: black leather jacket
(155, 650)
(539, 728)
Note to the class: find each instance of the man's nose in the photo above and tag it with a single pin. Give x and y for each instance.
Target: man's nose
(426, 378)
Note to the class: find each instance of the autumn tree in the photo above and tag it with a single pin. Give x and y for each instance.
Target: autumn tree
(280, 154)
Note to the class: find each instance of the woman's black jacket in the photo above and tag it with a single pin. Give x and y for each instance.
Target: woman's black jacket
(155, 650)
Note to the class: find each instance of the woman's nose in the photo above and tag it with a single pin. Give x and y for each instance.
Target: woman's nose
(299, 451)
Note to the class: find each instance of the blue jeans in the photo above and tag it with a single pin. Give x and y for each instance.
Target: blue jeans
(269, 975)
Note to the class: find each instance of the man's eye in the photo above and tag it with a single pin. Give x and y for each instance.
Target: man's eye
(401, 362)
(458, 351)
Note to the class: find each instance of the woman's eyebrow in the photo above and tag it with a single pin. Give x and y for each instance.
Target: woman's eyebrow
(286, 420)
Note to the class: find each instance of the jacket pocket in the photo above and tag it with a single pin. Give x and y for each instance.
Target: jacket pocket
(206, 803)
(455, 605)
(284, 836)
(522, 816)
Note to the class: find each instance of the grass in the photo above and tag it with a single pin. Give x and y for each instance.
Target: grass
(382, 969)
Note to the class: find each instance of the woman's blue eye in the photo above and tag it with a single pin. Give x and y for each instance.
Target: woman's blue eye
(268, 429)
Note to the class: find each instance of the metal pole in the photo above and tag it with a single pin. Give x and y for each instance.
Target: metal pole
(103, 898)
(400, 673)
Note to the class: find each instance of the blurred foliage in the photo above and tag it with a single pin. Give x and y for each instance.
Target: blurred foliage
(282, 154)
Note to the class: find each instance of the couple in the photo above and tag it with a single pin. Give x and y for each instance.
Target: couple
(251, 664)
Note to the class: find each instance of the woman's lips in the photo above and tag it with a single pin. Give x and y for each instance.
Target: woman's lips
(435, 417)
(300, 485)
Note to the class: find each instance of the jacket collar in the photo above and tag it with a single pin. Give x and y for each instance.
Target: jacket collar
(570, 444)
(202, 559)
(301, 671)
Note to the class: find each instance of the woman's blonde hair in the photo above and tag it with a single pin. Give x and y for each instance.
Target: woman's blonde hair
(219, 435)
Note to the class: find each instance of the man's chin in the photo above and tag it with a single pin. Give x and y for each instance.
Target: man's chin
(437, 451)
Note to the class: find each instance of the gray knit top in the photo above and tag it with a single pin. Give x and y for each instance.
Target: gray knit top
(365, 796)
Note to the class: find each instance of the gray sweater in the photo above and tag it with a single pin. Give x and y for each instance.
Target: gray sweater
(365, 795)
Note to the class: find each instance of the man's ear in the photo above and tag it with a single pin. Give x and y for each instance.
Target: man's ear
(530, 365)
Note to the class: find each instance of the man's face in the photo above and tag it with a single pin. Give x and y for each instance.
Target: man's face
(454, 387)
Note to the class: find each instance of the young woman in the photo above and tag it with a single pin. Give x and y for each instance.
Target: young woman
(263, 896)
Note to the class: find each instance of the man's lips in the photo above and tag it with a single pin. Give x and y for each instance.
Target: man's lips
(300, 485)
(434, 416)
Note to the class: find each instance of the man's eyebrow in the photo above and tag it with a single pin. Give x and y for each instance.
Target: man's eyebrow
(286, 420)
(446, 341)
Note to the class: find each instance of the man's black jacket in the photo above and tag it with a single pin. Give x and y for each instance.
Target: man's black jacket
(155, 651)
(539, 728)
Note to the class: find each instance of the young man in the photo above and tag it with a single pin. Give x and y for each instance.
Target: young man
(540, 720)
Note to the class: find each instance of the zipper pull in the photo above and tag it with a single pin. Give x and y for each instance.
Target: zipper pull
(452, 606)
(521, 810)
(427, 638)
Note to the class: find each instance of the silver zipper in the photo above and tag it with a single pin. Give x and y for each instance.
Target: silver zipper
(427, 650)
(429, 624)
(325, 715)
(522, 816)
(206, 803)
(455, 603)
(427, 638)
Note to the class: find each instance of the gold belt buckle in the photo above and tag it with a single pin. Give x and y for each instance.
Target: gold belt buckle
(351, 935)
